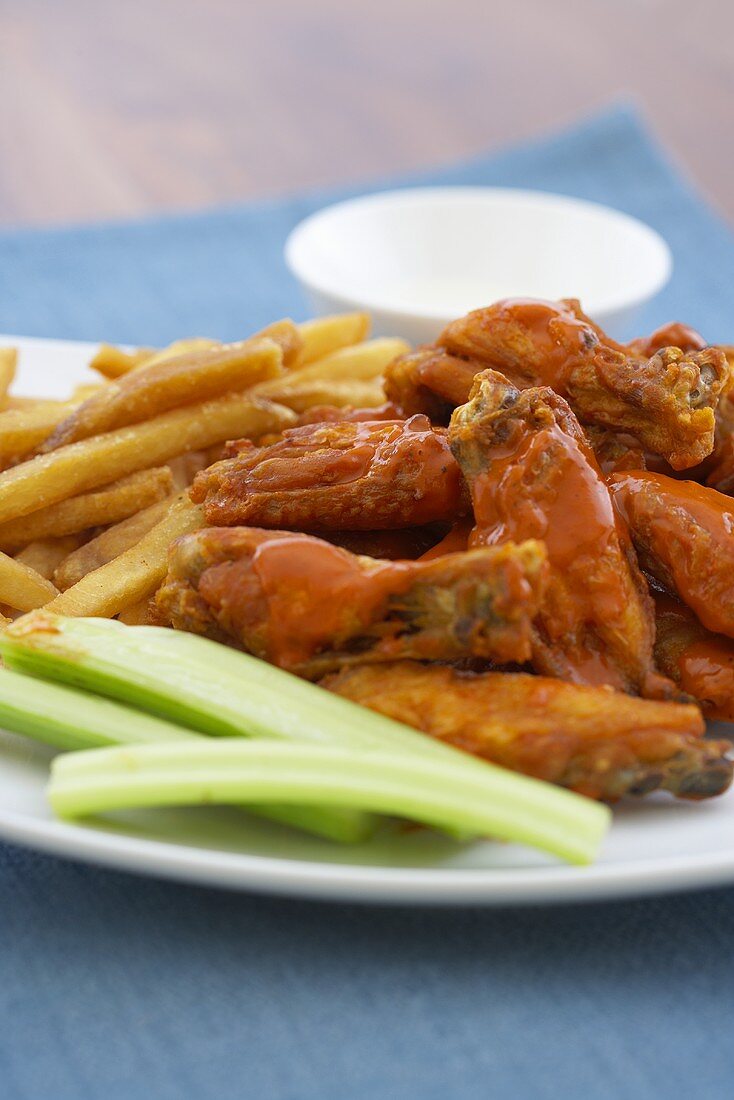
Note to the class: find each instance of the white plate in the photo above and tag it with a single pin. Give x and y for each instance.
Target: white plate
(654, 846)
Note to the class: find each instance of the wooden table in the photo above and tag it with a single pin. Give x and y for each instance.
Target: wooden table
(119, 110)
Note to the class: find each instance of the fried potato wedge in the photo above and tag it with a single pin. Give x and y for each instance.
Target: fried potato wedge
(85, 465)
(135, 574)
(107, 545)
(196, 376)
(109, 504)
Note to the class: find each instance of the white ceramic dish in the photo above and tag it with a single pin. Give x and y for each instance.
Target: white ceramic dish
(654, 846)
(417, 258)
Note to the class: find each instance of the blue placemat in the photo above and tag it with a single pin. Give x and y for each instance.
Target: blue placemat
(118, 988)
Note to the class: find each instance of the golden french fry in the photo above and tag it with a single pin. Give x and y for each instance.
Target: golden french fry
(85, 390)
(109, 504)
(134, 575)
(24, 429)
(112, 362)
(358, 363)
(323, 335)
(45, 555)
(286, 334)
(108, 545)
(17, 401)
(8, 364)
(359, 394)
(184, 468)
(22, 587)
(85, 465)
(178, 347)
(197, 376)
(138, 614)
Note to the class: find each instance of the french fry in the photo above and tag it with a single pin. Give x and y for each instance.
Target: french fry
(45, 555)
(359, 394)
(323, 335)
(24, 429)
(108, 545)
(109, 504)
(287, 335)
(360, 362)
(85, 390)
(85, 465)
(8, 364)
(21, 587)
(196, 376)
(112, 362)
(184, 468)
(17, 401)
(188, 346)
(138, 614)
(134, 575)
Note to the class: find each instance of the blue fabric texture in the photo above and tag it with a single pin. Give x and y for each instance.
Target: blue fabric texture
(118, 987)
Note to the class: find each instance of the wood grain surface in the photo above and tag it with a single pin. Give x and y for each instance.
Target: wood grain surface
(112, 110)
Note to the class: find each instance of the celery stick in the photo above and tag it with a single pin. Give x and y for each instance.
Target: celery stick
(201, 684)
(70, 719)
(488, 801)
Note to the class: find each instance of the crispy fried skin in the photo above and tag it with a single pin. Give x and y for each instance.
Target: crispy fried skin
(430, 381)
(673, 335)
(701, 662)
(667, 401)
(311, 607)
(593, 740)
(718, 470)
(532, 474)
(341, 476)
(684, 536)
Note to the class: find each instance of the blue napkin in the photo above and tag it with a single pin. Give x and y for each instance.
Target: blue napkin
(124, 988)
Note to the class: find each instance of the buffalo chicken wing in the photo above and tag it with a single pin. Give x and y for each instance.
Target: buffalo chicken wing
(590, 739)
(338, 476)
(311, 607)
(684, 534)
(533, 475)
(701, 662)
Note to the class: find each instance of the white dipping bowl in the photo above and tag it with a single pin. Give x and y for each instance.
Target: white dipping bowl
(418, 258)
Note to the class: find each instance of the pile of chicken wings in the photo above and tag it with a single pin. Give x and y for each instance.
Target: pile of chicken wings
(527, 552)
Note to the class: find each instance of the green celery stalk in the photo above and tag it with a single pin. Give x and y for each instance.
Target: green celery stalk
(71, 719)
(201, 684)
(488, 801)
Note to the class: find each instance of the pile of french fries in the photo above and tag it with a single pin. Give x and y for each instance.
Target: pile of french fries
(93, 489)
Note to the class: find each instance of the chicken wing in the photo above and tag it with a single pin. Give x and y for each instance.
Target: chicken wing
(684, 534)
(430, 381)
(532, 474)
(339, 476)
(672, 335)
(593, 740)
(701, 663)
(667, 401)
(311, 607)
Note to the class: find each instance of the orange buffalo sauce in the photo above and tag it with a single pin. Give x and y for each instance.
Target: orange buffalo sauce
(702, 663)
(317, 593)
(570, 510)
(687, 531)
